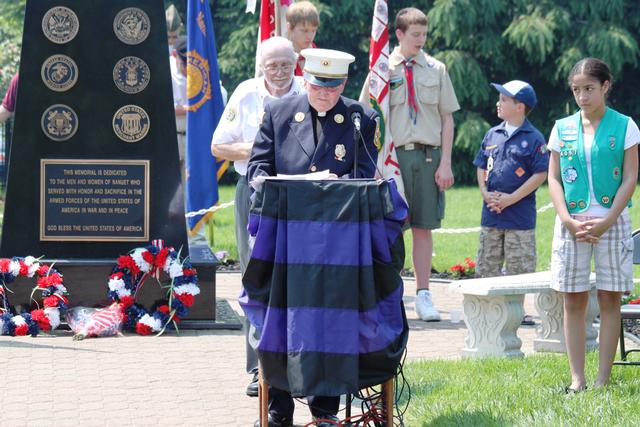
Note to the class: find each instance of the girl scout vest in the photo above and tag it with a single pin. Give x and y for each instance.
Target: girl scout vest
(607, 155)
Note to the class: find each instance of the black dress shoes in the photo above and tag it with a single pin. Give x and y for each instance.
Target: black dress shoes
(274, 423)
(252, 388)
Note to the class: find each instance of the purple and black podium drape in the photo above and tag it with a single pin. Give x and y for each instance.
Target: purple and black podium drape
(323, 291)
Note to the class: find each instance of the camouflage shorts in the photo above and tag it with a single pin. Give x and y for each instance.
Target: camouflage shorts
(516, 249)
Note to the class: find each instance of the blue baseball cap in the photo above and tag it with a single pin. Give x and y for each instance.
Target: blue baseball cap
(518, 90)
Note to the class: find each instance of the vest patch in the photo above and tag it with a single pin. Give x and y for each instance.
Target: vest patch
(569, 174)
(616, 173)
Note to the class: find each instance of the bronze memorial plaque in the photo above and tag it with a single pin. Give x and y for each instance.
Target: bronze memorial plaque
(94, 200)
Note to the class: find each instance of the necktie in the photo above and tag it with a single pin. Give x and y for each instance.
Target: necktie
(411, 92)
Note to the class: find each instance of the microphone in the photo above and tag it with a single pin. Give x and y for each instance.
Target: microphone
(355, 113)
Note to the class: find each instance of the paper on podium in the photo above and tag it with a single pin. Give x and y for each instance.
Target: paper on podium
(313, 176)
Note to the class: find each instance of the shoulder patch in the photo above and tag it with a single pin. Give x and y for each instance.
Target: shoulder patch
(231, 114)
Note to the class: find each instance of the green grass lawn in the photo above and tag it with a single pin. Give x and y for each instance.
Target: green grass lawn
(517, 392)
(464, 206)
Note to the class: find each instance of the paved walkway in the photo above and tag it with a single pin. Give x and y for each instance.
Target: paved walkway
(195, 379)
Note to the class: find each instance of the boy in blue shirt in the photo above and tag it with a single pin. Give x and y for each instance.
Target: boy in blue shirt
(512, 163)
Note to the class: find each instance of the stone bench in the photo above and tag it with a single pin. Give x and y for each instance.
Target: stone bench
(493, 309)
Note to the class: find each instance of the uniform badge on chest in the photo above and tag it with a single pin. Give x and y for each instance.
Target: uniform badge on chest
(340, 152)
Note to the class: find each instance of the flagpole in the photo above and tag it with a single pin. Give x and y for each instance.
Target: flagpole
(278, 7)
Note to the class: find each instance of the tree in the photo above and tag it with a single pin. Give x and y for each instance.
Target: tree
(485, 41)
(480, 41)
(11, 19)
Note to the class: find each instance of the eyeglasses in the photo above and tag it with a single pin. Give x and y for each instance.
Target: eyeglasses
(317, 88)
(274, 68)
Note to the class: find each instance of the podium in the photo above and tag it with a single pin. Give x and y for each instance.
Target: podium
(322, 290)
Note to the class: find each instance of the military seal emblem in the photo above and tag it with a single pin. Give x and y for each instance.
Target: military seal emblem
(339, 118)
(60, 24)
(299, 116)
(59, 122)
(59, 73)
(131, 74)
(131, 123)
(131, 25)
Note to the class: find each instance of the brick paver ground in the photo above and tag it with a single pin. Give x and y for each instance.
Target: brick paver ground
(194, 379)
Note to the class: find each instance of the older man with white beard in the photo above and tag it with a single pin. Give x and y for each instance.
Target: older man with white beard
(234, 136)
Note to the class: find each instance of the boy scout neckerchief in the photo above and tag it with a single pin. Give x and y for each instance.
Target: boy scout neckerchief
(413, 105)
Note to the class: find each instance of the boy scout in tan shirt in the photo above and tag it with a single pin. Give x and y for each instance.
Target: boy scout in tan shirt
(422, 101)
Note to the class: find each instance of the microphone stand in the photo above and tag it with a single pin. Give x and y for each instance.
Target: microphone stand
(356, 142)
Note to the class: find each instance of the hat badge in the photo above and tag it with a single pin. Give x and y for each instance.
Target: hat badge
(325, 62)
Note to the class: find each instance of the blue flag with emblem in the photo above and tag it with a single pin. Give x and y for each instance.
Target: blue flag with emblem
(205, 106)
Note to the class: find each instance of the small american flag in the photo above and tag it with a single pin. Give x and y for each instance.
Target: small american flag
(103, 322)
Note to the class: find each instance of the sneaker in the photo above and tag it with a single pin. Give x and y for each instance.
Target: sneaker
(424, 307)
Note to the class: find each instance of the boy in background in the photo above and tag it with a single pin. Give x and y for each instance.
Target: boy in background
(511, 164)
(303, 21)
(421, 103)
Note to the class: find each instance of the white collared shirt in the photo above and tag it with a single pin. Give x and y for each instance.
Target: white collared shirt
(242, 116)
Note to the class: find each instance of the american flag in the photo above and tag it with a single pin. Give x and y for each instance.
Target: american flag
(103, 322)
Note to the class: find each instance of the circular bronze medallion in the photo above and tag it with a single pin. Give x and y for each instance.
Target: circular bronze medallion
(131, 74)
(59, 73)
(59, 122)
(131, 123)
(131, 25)
(60, 24)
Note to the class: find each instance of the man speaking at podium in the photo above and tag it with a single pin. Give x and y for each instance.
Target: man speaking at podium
(315, 131)
(309, 133)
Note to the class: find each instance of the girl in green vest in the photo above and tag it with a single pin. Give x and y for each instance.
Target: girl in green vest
(592, 175)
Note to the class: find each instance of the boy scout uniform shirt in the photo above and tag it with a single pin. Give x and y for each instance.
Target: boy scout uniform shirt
(242, 116)
(510, 161)
(433, 92)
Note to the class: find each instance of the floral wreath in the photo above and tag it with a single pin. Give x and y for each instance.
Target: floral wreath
(48, 281)
(129, 275)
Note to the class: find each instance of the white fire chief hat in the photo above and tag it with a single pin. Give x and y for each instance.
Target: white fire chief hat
(326, 67)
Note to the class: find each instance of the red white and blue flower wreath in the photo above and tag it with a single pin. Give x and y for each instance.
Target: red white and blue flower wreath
(129, 275)
(48, 281)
